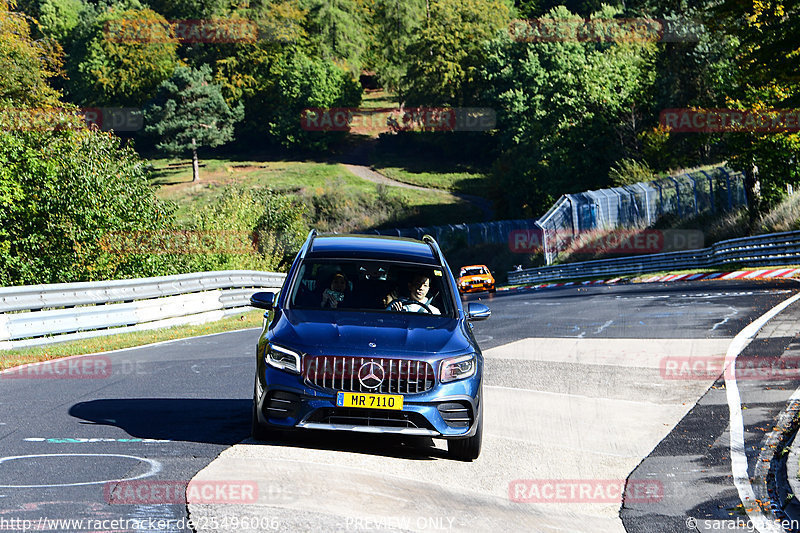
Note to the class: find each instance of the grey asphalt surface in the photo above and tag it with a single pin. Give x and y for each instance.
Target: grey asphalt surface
(693, 461)
(178, 405)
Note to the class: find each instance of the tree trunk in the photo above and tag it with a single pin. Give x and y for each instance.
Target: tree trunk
(753, 188)
(195, 163)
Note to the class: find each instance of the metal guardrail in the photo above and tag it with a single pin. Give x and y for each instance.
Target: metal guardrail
(763, 250)
(41, 314)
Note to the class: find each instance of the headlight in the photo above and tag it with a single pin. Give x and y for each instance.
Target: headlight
(459, 367)
(283, 358)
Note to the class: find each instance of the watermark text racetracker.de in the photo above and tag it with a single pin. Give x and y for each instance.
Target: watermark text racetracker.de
(730, 120)
(85, 367)
(62, 118)
(371, 121)
(155, 492)
(585, 491)
(201, 523)
(180, 242)
(88, 367)
(745, 368)
(617, 241)
(636, 30)
(217, 30)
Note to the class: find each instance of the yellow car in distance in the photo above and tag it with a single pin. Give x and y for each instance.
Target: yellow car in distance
(475, 278)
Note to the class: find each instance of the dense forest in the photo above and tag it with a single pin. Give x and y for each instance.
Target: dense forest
(578, 89)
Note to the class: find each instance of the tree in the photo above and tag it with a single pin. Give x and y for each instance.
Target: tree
(567, 110)
(337, 28)
(75, 187)
(26, 64)
(120, 56)
(190, 112)
(444, 56)
(395, 24)
(57, 18)
(767, 59)
(301, 83)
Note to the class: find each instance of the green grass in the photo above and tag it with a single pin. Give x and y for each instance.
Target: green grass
(299, 178)
(463, 182)
(427, 171)
(378, 99)
(219, 174)
(11, 358)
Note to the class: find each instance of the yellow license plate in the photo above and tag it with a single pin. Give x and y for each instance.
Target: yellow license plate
(369, 401)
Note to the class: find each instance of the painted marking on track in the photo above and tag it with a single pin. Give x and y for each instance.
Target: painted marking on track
(155, 468)
(738, 456)
(727, 317)
(604, 326)
(74, 440)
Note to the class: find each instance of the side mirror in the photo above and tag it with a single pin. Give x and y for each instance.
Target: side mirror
(263, 300)
(476, 311)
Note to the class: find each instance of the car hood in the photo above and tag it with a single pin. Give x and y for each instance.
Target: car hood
(318, 332)
(479, 277)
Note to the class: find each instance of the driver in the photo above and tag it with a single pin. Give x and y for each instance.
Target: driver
(417, 301)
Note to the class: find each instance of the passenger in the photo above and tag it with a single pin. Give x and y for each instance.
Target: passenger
(417, 301)
(333, 297)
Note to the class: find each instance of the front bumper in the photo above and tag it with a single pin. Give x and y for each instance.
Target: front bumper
(478, 287)
(286, 401)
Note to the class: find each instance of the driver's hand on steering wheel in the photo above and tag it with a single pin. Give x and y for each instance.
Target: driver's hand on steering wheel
(396, 305)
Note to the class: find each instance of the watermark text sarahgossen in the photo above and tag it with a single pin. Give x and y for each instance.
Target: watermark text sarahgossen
(730, 120)
(585, 491)
(745, 367)
(395, 119)
(738, 524)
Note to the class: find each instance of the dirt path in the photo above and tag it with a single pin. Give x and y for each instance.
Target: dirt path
(357, 162)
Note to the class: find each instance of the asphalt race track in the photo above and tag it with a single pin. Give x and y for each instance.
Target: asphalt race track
(576, 396)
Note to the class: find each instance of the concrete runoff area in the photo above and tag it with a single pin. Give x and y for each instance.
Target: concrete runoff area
(534, 431)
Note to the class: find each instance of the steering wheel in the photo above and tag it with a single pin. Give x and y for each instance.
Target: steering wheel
(405, 301)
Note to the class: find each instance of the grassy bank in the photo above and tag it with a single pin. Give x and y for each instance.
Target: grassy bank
(11, 358)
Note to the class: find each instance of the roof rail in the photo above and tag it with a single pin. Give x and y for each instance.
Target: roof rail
(307, 244)
(430, 241)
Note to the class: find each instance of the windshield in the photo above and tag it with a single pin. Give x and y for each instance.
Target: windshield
(473, 271)
(379, 286)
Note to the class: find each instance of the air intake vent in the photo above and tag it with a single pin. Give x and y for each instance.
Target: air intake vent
(280, 404)
(456, 414)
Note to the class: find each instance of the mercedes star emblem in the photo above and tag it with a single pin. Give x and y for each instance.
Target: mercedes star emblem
(371, 375)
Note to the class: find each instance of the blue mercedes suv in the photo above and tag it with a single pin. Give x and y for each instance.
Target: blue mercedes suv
(368, 334)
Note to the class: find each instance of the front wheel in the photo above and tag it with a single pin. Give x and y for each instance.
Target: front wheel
(470, 448)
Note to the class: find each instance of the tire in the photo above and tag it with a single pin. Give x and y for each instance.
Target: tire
(470, 448)
(257, 430)
(493, 289)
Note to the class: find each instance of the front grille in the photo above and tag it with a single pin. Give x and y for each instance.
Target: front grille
(455, 414)
(369, 417)
(400, 376)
